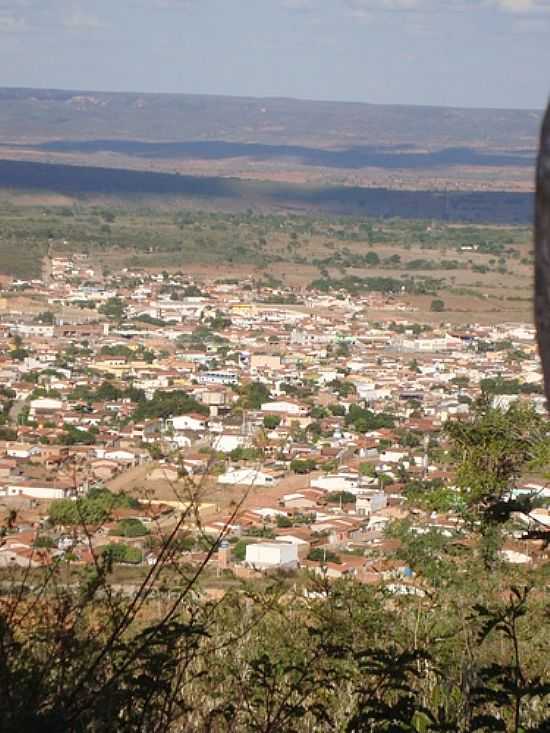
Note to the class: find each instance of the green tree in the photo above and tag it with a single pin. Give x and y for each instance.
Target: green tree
(372, 259)
(252, 395)
(114, 308)
(166, 404)
(131, 528)
(19, 354)
(283, 521)
(321, 554)
(46, 317)
(302, 466)
(120, 553)
(492, 450)
(239, 549)
(367, 469)
(271, 422)
(343, 497)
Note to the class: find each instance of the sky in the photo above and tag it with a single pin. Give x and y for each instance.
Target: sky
(471, 53)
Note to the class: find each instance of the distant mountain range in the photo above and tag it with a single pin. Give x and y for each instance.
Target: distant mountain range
(41, 115)
(339, 158)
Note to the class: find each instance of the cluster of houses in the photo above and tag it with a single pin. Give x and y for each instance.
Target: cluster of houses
(302, 424)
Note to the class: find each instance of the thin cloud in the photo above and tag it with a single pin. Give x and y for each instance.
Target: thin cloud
(519, 7)
(35, 16)
(77, 20)
(523, 6)
(11, 23)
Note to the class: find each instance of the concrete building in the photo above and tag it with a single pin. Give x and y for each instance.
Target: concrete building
(271, 555)
(193, 422)
(369, 502)
(218, 378)
(247, 477)
(265, 361)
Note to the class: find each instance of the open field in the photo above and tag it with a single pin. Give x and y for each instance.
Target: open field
(141, 180)
(480, 272)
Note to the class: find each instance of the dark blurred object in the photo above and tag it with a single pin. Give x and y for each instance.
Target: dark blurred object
(542, 252)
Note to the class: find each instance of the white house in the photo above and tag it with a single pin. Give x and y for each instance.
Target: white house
(181, 441)
(121, 456)
(393, 456)
(267, 511)
(21, 450)
(290, 408)
(336, 482)
(370, 501)
(194, 421)
(267, 555)
(218, 378)
(36, 491)
(227, 442)
(514, 557)
(246, 477)
(45, 405)
(33, 329)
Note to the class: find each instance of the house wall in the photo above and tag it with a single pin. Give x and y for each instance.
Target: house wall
(246, 477)
(37, 492)
(227, 443)
(334, 483)
(268, 555)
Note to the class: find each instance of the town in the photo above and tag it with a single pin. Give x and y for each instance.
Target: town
(273, 430)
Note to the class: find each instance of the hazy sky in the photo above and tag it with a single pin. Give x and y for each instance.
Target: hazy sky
(493, 53)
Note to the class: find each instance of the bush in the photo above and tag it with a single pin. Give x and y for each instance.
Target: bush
(244, 454)
(367, 469)
(365, 420)
(303, 466)
(239, 550)
(271, 422)
(74, 436)
(44, 541)
(93, 509)
(335, 497)
(437, 306)
(283, 522)
(113, 308)
(7, 434)
(131, 528)
(252, 395)
(121, 553)
(168, 404)
(320, 554)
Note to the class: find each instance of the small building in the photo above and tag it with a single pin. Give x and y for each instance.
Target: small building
(336, 482)
(370, 501)
(285, 406)
(194, 421)
(265, 361)
(228, 442)
(225, 378)
(36, 491)
(247, 477)
(271, 555)
(45, 406)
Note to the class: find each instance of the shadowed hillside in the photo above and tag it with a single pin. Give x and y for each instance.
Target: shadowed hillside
(494, 207)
